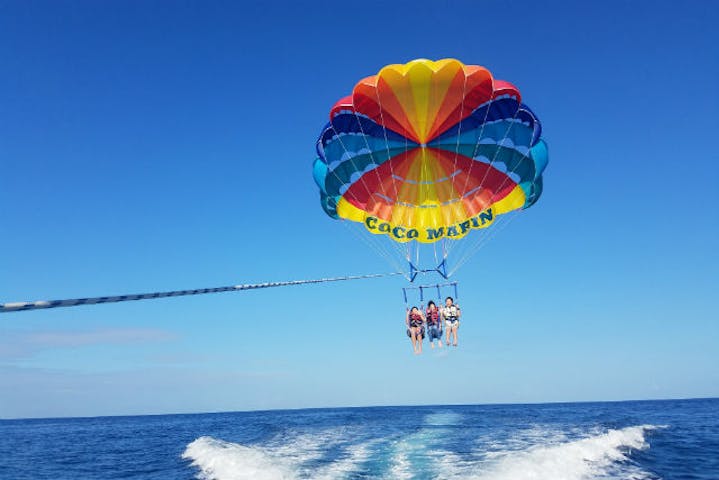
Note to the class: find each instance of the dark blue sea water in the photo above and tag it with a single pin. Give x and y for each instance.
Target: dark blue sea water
(622, 440)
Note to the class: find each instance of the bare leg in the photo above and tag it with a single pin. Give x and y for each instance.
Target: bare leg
(449, 330)
(418, 340)
(413, 337)
(454, 332)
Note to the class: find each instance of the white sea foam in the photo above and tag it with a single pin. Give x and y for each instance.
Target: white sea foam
(285, 458)
(442, 418)
(422, 452)
(490, 446)
(219, 460)
(300, 448)
(355, 456)
(400, 469)
(538, 453)
(600, 456)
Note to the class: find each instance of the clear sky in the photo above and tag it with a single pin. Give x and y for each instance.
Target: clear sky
(150, 146)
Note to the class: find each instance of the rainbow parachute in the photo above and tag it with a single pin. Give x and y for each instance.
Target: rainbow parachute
(428, 151)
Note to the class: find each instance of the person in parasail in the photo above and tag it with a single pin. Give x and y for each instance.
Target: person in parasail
(415, 328)
(451, 313)
(434, 324)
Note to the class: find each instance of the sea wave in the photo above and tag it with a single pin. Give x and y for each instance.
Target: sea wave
(595, 455)
(290, 457)
(220, 460)
(599, 456)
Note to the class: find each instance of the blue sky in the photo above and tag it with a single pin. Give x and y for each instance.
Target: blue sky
(152, 146)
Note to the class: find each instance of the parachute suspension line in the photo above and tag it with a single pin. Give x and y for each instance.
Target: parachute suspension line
(452, 246)
(386, 143)
(403, 251)
(370, 150)
(412, 262)
(503, 222)
(394, 250)
(454, 165)
(479, 139)
(415, 264)
(398, 249)
(443, 263)
(350, 157)
(493, 230)
(417, 251)
(481, 240)
(459, 130)
(442, 266)
(378, 246)
(73, 302)
(410, 209)
(494, 157)
(375, 245)
(441, 269)
(470, 245)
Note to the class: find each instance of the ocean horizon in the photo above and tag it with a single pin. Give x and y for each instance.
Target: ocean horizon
(290, 409)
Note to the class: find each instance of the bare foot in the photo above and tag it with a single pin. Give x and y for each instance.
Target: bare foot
(440, 343)
(432, 344)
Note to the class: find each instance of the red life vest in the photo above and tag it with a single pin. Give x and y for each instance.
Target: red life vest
(433, 316)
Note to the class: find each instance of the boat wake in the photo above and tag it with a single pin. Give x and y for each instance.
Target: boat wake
(426, 454)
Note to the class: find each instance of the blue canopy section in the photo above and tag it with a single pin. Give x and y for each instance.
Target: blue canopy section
(503, 133)
(348, 147)
(507, 109)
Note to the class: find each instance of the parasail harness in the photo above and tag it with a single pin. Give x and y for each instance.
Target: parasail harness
(423, 289)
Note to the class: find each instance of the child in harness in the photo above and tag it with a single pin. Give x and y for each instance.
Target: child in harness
(451, 313)
(415, 328)
(434, 324)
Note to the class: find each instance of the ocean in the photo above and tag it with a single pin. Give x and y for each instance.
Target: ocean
(671, 439)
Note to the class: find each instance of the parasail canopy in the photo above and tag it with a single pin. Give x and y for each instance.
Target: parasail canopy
(429, 151)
